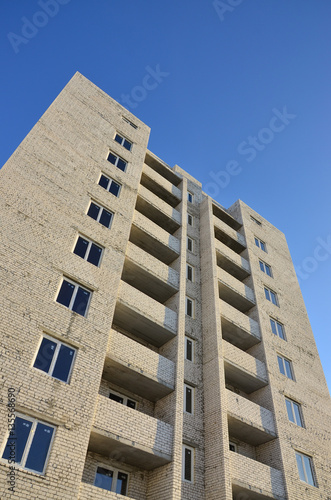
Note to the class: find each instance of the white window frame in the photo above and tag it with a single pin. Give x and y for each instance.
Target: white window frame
(192, 244)
(88, 248)
(280, 356)
(117, 160)
(260, 244)
(190, 197)
(100, 213)
(110, 181)
(188, 339)
(188, 266)
(311, 466)
(125, 399)
(133, 125)
(191, 388)
(55, 356)
(277, 323)
(28, 443)
(123, 138)
(115, 477)
(187, 299)
(270, 294)
(74, 294)
(293, 404)
(264, 268)
(185, 447)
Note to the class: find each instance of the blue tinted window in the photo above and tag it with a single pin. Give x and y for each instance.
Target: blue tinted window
(94, 255)
(39, 447)
(81, 247)
(81, 301)
(127, 144)
(289, 411)
(103, 478)
(118, 139)
(112, 158)
(273, 326)
(280, 364)
(122, 481)
(17, 440)
(262, 246)
(105, 218)
(45, 355)
(114, 188)
(104, 181)
(63, 363)
(65, 293)
(93, 211)
(121, 164)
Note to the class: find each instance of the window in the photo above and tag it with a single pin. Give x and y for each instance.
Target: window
(265, 268)
(189, 307)
(188, 463)
(88, 250)
(117, 161)
(111, 480)
(285, 367)
(260, 244)
(123, 142)
(294, 412)
(73, 296)
(232, 446)
(305, 468)
(189, 272)
(55, 358)
(189, 244)
(271, 296)
(110, 185)
(130, 123)
(119, 398)
(256, 221)
(277, 328)
(189, 197)
(190, 219)
(188, 399)
(189, 349)
(29, 443)
(100, 214)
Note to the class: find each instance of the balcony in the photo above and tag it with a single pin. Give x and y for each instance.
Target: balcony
(149, 275)
(229, 236)
(234, 292)
(221, 213)
(231, 262)
(248, 421)
(136, 438)
(237, 328)
(153, 239)
(88, 491)
(158, 210)
(143, 317)
(242, 370)
(138, 369)
(255, 481)
(160, 186)
(162, 168)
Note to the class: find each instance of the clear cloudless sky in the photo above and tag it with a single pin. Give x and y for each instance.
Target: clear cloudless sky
(222, 75)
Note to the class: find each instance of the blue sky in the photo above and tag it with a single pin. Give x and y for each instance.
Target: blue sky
(222, 74)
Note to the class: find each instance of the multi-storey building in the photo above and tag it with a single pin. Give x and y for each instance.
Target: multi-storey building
(153, 343)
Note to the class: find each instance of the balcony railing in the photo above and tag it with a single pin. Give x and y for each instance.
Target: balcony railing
(231, 262)
(136, 368)
(135, 438)
(143, 317)
(234, 292)
(242, 370)
(238, 328)
(158, 210)
(229, 236)
(160, 186)
(248, 421)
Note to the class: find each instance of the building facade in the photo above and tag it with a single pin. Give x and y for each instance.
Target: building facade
(154, 345)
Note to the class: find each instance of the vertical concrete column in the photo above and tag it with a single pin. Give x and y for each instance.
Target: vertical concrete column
(217, 467)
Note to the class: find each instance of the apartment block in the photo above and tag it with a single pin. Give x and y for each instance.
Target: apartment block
(154, 344)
